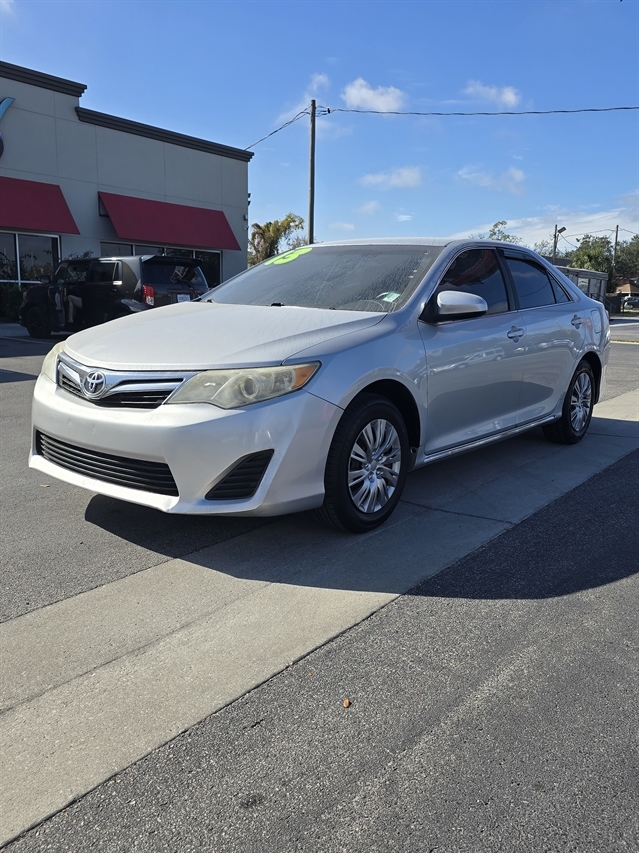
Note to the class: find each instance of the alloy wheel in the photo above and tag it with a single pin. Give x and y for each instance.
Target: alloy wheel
(374, 466)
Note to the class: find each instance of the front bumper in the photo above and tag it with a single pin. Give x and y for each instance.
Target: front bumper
(200, 443)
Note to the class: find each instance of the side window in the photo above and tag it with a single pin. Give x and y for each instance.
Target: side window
(76, 273)
(102, 272)
(531, 283)
(560, 293)
(477, 271)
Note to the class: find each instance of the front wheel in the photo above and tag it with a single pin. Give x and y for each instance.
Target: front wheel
(366, 466)
(37, 323)
(577, 409)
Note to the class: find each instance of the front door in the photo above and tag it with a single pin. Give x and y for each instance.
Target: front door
(474, 366)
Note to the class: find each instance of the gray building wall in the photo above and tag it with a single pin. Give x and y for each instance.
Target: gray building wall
(46, 140)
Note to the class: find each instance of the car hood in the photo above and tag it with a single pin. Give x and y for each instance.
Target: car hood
(201, 335)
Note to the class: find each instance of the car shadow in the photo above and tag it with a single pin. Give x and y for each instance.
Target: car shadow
(585, 539)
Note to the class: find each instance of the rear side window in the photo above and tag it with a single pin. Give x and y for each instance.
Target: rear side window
(76, 273)
(102, 272)
(532, 283)
(477, 271)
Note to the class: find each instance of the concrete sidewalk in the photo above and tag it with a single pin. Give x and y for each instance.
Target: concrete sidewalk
(93, 683)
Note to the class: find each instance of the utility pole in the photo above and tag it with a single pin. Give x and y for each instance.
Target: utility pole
(554, 242)
(311, 183)
(614, 254)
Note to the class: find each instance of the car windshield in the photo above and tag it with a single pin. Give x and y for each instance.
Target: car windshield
(351, 278)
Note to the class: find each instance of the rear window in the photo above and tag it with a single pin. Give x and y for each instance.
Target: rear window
(172, 276)
(350, 278)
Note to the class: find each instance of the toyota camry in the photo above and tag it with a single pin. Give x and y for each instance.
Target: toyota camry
(318, 379)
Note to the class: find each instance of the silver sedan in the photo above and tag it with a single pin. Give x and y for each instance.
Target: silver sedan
(319, 378)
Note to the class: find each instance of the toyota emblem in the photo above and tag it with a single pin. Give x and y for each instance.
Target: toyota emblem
(94, 384)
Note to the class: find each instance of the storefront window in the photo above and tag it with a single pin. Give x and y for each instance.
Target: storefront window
(8, 270)
(26, 257)
(38, 256)
(148, 250)
(115, 250)
(210, 266)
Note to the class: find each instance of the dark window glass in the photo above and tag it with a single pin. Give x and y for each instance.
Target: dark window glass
(38, 256)
(179, 253)
(115, 250)
(531, 283)
(102, 272)
(477, 271)
(76, 273)
(8, 268)
(148, 250)
(211, 267)
(560, 293)
(352, 278)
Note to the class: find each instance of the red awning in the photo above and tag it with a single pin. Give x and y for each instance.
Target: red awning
(142, 220)
(34, 206)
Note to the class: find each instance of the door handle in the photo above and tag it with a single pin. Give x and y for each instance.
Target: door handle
(514, 334)
(577, 321)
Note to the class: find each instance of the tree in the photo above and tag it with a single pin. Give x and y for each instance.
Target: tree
(497, 233)
(266, 240)
(544, 247)
(593, 253)
(627, 260)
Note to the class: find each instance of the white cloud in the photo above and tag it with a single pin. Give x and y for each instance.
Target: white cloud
(534, 229)
(369, 207)
(360, 95)
(507, 96)
(341, 226)
(403, 217)
(511, 181)
(407, 176)
(7, 6)
(319, 83)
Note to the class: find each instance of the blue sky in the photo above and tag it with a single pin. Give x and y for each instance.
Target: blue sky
(232, 72)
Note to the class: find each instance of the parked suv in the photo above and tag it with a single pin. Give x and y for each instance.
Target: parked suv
(88, 291)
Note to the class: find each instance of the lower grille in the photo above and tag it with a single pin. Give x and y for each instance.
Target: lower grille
(139, 474)
(243, 480)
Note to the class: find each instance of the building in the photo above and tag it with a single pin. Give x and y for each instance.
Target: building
(74, 182)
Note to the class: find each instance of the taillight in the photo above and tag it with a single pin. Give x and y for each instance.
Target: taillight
(148, 294)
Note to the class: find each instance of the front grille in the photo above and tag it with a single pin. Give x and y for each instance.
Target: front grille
(144, 398)
(153, 477)
(122, 389)
(243, 480)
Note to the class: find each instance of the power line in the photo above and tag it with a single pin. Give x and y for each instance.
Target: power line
(503, 113)
(324, 111)
(273, 132)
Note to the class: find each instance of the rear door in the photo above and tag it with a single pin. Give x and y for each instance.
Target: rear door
(100, 292)
(555, 336)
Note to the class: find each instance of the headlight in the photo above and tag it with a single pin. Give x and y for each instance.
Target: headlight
(49, 363)
(230, 389)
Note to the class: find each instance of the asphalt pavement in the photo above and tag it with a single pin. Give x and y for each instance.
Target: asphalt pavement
(491, 706)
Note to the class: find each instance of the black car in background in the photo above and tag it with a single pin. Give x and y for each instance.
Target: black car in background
(87, 291)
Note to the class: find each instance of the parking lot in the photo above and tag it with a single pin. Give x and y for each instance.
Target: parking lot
(183, 679)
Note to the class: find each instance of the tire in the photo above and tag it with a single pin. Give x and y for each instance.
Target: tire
(577, 409)
(359, 495)
(37, 323)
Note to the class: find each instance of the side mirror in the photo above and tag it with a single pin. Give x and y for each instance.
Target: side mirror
(454, 305)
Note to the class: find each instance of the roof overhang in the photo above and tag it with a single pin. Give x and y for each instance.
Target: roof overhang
(34, 206)
(143, 220)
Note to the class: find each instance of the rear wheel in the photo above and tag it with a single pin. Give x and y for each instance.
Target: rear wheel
(366, 466)
(37, 323)
(577, 409)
